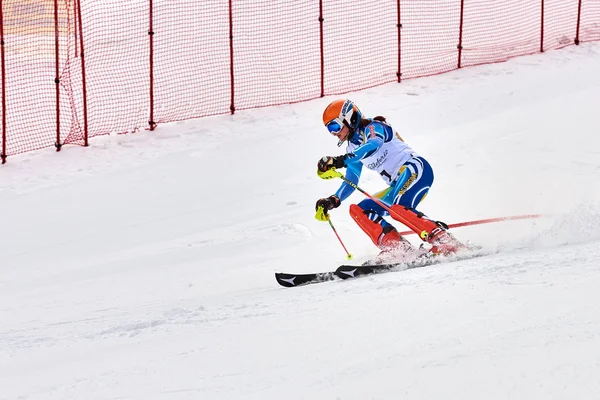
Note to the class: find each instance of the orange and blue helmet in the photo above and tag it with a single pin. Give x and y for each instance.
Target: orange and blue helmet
(340, 113)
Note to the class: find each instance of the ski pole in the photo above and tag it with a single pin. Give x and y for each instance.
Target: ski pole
(348, 255)
(322, 215)
(332, 173)
(486, 221)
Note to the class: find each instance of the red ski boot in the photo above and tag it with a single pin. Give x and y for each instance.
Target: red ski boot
(394, 248)
(442, 242)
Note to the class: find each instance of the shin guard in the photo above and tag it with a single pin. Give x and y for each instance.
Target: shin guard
(386, 238)
(416, 221)
(432, 232)
(372, 229)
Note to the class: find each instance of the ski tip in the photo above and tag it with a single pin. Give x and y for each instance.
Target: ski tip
(293, 280)
(286, 280)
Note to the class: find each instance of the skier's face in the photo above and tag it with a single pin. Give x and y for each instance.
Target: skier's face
(342, 134)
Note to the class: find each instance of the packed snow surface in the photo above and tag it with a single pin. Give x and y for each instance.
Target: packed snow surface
(143, 266)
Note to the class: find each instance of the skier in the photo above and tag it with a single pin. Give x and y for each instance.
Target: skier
(372, 143)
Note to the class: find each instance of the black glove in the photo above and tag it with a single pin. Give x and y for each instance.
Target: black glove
(328, 162)
(328, 203)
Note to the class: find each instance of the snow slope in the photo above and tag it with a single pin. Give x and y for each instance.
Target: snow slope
(142, 267)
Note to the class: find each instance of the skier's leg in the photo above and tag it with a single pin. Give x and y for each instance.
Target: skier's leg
(367, 215)
(412, 185)
(409, 190)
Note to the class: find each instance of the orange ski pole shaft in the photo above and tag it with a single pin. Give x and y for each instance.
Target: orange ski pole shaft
(348, 255)
(450, 226)
(486, 221)
(332, 173)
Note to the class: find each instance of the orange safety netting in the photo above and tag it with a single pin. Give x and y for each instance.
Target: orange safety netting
(74, 69)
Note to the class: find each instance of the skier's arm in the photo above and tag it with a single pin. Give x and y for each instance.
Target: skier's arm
(353, 170)
(376, 136)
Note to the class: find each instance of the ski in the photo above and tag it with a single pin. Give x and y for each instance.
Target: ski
(291, 280)
(342, 272)
(353, 271)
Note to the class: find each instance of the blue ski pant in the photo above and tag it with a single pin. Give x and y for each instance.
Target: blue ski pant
(408, 190)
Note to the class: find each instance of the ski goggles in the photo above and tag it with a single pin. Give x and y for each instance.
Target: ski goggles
(334, 126)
